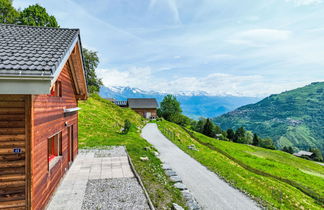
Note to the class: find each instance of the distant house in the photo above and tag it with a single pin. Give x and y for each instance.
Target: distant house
(41, 81)
(303, 153)
(147, 107)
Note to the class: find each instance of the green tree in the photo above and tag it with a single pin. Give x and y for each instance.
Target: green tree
(288, 149)
(199, 125)
(91, 61)
(36, 15)
(230, 134)
(180, 119)
(239, 136)
(208, 128)
(317, 154)
(248, 137)
(170, 106)
(8, 14)
(255, 140)
(267, 143)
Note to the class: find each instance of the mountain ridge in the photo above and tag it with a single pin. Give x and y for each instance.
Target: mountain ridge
(195, 104)
(291, 118)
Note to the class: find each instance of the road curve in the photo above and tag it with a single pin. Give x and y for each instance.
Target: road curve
(210, 191)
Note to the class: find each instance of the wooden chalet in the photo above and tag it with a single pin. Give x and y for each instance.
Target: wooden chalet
(146, 107)
(41, 80)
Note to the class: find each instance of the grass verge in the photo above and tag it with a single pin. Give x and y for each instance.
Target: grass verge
(270, 192)
(100, 122)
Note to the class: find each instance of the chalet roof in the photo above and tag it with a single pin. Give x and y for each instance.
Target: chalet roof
(303, 153)
(31, 59)
(26, 50)
(142, 103)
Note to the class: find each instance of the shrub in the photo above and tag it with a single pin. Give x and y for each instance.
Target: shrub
(127, 126)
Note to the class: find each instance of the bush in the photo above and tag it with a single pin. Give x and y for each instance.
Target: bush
(180, 119)
(127, 126)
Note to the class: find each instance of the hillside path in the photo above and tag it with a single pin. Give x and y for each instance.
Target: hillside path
(210, 191)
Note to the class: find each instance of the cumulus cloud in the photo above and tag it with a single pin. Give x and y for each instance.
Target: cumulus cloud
(213, 84)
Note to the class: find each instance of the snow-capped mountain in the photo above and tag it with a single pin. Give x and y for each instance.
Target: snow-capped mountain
(194, 104)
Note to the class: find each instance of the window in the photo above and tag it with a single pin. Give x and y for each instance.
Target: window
(54, 147)
(56, 90)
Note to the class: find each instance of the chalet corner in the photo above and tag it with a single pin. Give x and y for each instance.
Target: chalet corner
(41, 80)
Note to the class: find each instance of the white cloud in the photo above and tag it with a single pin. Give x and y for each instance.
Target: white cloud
(305, 2)
(213, 84)
(260, 37)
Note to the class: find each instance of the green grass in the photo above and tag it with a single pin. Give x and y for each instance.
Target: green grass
(100, 122)
(270, 192)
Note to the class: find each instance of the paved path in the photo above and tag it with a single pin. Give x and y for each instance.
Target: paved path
(93, 166)
(210, 191)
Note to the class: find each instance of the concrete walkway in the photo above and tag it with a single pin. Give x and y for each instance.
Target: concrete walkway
(89, 166)
(210, 191)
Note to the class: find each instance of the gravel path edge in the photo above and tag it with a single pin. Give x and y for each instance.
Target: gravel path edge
(140, 182)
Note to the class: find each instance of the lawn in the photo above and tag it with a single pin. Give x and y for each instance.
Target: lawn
(100, 122)
(270, 192)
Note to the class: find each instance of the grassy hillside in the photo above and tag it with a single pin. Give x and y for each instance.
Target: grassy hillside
(227, 158)
(99, 124)
(293, 118)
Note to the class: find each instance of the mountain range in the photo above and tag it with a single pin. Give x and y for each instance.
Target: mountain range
(194, 104)
(293, 118)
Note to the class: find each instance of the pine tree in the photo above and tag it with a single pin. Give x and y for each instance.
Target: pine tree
(230, 134)
(208, 129)
(255, 140)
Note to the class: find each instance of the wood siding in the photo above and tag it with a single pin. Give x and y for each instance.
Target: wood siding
(48, 119)
(14, 136)
(143, 112)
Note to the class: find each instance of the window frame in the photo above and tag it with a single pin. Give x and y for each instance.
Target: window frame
(54, 156)
(56, 90)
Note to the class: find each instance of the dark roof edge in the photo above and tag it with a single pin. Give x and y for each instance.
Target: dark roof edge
(15, 25)
(64, 58)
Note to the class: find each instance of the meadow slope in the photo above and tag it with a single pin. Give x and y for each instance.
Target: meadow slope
(224, 158)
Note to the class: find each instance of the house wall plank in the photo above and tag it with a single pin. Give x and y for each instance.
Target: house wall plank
(49, 119)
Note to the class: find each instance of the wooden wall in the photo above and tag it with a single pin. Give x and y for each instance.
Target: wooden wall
(49, 119)
(143, 111)
(14, 133)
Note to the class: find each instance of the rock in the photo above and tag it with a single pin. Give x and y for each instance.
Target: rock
(177, 207)
(193, 205)
(175, 179)
(193, 147)
(144, 158)
(180, 186)
(187, 195)
(170, 173)
(166, 167)
(156, 153)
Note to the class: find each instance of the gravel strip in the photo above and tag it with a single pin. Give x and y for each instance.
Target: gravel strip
(109, 151)
(123, 193)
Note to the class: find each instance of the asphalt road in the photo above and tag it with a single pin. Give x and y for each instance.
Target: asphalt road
(210, 191)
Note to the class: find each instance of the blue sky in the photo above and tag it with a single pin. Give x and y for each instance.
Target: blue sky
(222, 47)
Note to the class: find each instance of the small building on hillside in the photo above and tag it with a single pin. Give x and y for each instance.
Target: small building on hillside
(303, 153)
(147, 107)
(42, 79)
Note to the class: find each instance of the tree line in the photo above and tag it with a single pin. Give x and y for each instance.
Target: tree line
(36, 15)
(170, 109)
